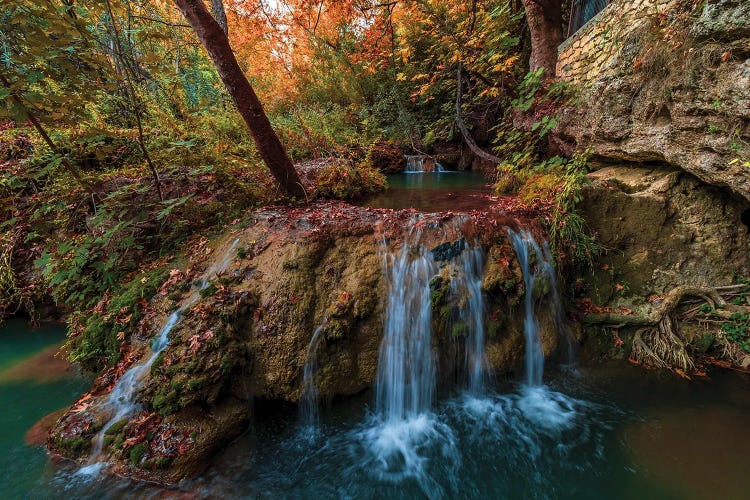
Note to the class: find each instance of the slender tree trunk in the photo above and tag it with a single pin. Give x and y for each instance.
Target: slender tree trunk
(135, 102)
(216, 43)
(544, 18)
(217, 7)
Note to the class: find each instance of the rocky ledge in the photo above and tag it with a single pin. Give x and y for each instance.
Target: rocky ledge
(243, 333)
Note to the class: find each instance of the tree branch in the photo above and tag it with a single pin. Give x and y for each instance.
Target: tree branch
(462, 126)
(176, 25)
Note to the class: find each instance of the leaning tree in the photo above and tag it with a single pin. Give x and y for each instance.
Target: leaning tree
(216, 42)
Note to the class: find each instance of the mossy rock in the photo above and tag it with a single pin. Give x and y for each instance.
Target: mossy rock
(493, 329)
(137, 453)
(542, 286)
(208, 290)
(101, 338)
(702, 343)
(117, 427)
(440, 290)
(336, 329)
(78, 446)
(459, 329)
(196, 383)
(162, 462)
(165, 401)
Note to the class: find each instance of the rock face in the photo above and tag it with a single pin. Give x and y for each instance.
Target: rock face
(666, 116)
(662, 228)
(681, 98)
(246, 336)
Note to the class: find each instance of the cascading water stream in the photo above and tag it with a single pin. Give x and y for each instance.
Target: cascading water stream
(421, 163)
(467, 286)
(406, 368)
(309, 398)
(536, 412)
(524, 244)
(405, 429)
(121, 398)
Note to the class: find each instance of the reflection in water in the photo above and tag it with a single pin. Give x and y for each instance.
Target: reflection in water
(435, 192)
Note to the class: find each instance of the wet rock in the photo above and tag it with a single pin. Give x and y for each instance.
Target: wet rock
(448, 250)
(246, 335)
(37, 434)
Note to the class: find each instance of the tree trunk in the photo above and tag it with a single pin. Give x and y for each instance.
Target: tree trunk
(544, 18)
(216, 43)
(217, 6)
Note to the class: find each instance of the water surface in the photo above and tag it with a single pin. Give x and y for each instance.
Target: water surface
(435, 192)
(613, 431)
(25, 400)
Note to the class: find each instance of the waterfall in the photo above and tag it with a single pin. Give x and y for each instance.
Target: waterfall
(467, 287)
(542, 266)
(309, 397)
(122, 397)
(406, 367)
(422, 163)
(405, 438)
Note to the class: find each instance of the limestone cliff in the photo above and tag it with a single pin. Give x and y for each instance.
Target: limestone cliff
(664, 108)
(672, 89)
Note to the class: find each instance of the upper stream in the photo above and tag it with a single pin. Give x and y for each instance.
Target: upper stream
(435, 192)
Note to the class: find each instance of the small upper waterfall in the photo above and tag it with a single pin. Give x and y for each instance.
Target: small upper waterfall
(527, 248)
(309, 397)
(122, 397)
(422, 163)
(406, 368)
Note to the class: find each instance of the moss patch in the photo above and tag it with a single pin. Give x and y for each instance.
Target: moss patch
(137, 453)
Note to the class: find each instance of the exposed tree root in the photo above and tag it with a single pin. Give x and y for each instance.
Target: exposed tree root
(658, 342)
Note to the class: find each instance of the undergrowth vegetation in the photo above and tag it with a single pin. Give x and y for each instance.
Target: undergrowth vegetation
(550, 183)
(119, 141)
